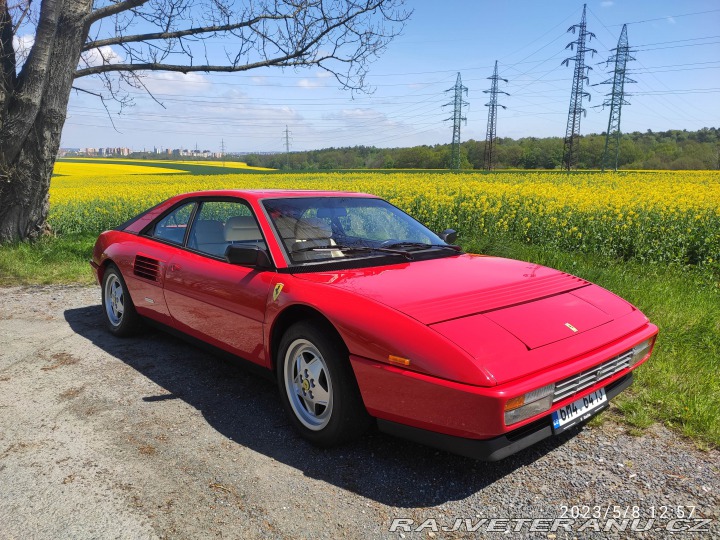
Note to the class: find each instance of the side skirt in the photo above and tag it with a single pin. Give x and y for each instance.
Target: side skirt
(246, 365)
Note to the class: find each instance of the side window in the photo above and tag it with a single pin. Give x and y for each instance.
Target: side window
(173, 226)
(219, 224)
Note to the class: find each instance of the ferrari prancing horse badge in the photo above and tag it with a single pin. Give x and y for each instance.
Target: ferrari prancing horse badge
(278, 289)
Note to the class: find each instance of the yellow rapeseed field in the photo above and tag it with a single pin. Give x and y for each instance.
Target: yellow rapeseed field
(661, 216)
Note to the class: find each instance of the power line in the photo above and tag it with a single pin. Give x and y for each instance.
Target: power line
(681, 46)
(679, 92)
(670, 17)
(677, 41)
(665, 100)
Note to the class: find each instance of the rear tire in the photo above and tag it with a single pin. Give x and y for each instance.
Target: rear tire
(318, 388)
(120, 316)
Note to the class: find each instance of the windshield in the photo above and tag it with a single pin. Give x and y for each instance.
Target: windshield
(330, 228)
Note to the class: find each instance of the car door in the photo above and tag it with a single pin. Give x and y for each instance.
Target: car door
(211, 299)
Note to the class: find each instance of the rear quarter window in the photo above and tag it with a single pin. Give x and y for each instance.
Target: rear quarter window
(172, 227)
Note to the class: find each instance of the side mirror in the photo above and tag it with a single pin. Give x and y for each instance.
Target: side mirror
(253, 256)
(448, 236)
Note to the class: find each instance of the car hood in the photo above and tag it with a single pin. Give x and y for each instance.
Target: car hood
(467, 298)
(449, 288)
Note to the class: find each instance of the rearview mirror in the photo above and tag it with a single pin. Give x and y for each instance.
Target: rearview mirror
(448, 236)
(253, 256)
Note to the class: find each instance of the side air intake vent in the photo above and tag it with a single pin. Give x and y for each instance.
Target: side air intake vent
(147, 268)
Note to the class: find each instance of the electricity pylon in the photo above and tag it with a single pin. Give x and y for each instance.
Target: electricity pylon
(616, 100)
(457, 117)
(572, 132)
(492, 118)
(287, 145)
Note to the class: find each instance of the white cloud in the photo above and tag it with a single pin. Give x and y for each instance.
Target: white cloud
(310, 83)
(357, 114)
(671, 20)
(318, 80)
(607, 3)
(22, 46)
(23, 42)
(100, 56)
(350, 118)
(171, 82)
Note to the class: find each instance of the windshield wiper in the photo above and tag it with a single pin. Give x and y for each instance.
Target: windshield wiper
(357, 249)
(423, 245)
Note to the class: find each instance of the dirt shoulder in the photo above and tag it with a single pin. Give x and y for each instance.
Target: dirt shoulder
(152, 438)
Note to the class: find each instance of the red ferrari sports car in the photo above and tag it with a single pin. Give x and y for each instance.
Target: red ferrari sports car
(364, 315)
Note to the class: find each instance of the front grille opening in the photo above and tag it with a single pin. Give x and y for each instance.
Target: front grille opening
(585, 379)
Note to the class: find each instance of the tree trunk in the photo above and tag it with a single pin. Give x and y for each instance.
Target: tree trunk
(33, 117)
(24, 193)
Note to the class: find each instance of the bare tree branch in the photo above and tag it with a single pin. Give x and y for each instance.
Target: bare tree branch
(139, 82)
(22, 15)
(117, 40)
(102, 100)
(288, 33)
(113, 9)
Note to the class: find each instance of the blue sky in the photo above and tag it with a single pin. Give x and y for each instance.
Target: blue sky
(677, 48)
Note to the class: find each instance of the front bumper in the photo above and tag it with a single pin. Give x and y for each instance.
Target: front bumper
(429, 403)
(496, 448)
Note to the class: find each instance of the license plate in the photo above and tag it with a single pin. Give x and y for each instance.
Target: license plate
(579, 410)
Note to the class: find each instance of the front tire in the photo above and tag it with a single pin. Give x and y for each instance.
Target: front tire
(120, 316)
(318, 387)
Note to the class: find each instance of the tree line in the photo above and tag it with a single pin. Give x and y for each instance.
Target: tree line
(673, 149)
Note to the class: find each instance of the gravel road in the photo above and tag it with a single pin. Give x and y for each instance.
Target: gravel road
(152, 438)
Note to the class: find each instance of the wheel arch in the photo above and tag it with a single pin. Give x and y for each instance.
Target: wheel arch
(103, 266)
(291, 315)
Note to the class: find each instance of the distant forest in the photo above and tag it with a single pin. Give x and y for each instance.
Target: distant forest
(672, 149)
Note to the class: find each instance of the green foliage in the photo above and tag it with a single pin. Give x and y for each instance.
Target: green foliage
(674, 149)
(48, 260)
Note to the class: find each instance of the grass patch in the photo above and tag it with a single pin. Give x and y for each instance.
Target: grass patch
(64, 259)
(679, 386)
